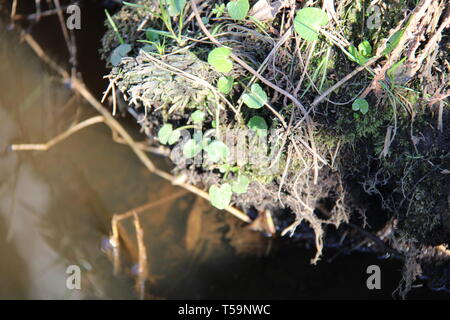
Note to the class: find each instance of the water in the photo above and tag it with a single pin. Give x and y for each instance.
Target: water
(56, 208)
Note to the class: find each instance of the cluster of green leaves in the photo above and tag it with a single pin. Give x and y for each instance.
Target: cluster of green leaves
(220, 195)
(361, 54)
(118, 53)
(168, 10)
(167, 135)
(218, 10)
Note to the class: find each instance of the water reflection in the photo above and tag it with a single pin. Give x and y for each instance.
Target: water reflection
(51, 214)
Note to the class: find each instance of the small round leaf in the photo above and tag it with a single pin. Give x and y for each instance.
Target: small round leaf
(219, 59)
(360, 104)
(257, 98)
(198, 116)
(258, 124)
(164, 133)
(220, 196)
(191, 148)
(217, 150)
(118, 53)
(307, 22)
(225, 84)
(240, 186)
(238, 10)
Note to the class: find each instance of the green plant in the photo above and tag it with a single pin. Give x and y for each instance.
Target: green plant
(220, 196)
(219, 58)
(360, 105)
(362, 54)
(308, 21)
(114, 27)
(225, 84)
(167, 10)
(154, 39)
(393, 42)
(198, 116)
(191, 148)
(219, 10)
(240, 185)
(256, 98)
(118, 53)
(238, 10)
(259, 125)
(217, 151)
(167, 135)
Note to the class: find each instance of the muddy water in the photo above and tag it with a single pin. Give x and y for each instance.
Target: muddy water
(56, 208)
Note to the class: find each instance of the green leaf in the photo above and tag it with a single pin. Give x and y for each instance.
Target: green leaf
(219, 59)
(132, 4)
(354, 54)
(164, 133)
(217, 150)
(365, 48)
(198, 116)
(175, 6)
(257, 98)
(218, 10)
(392, 72)
(361, 54)
(174, 137)
(240, 185)
(393, 42)
(151, 35)
(238, 10)
(360, 105)
(308, 21)
(259, 125)
(118, 53)
(191, 148)
(220, 196)
(225, 84)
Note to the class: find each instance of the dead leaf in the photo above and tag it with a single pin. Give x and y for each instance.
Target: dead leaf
(263, 10)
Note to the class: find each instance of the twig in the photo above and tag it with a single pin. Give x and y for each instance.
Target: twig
(150, 205)
(59, 138)
(114, 240)
(71, 46)
(143, 267)
(337, 85)
(13, 9)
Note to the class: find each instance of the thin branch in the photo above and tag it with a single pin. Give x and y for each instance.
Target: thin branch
(59, 138)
